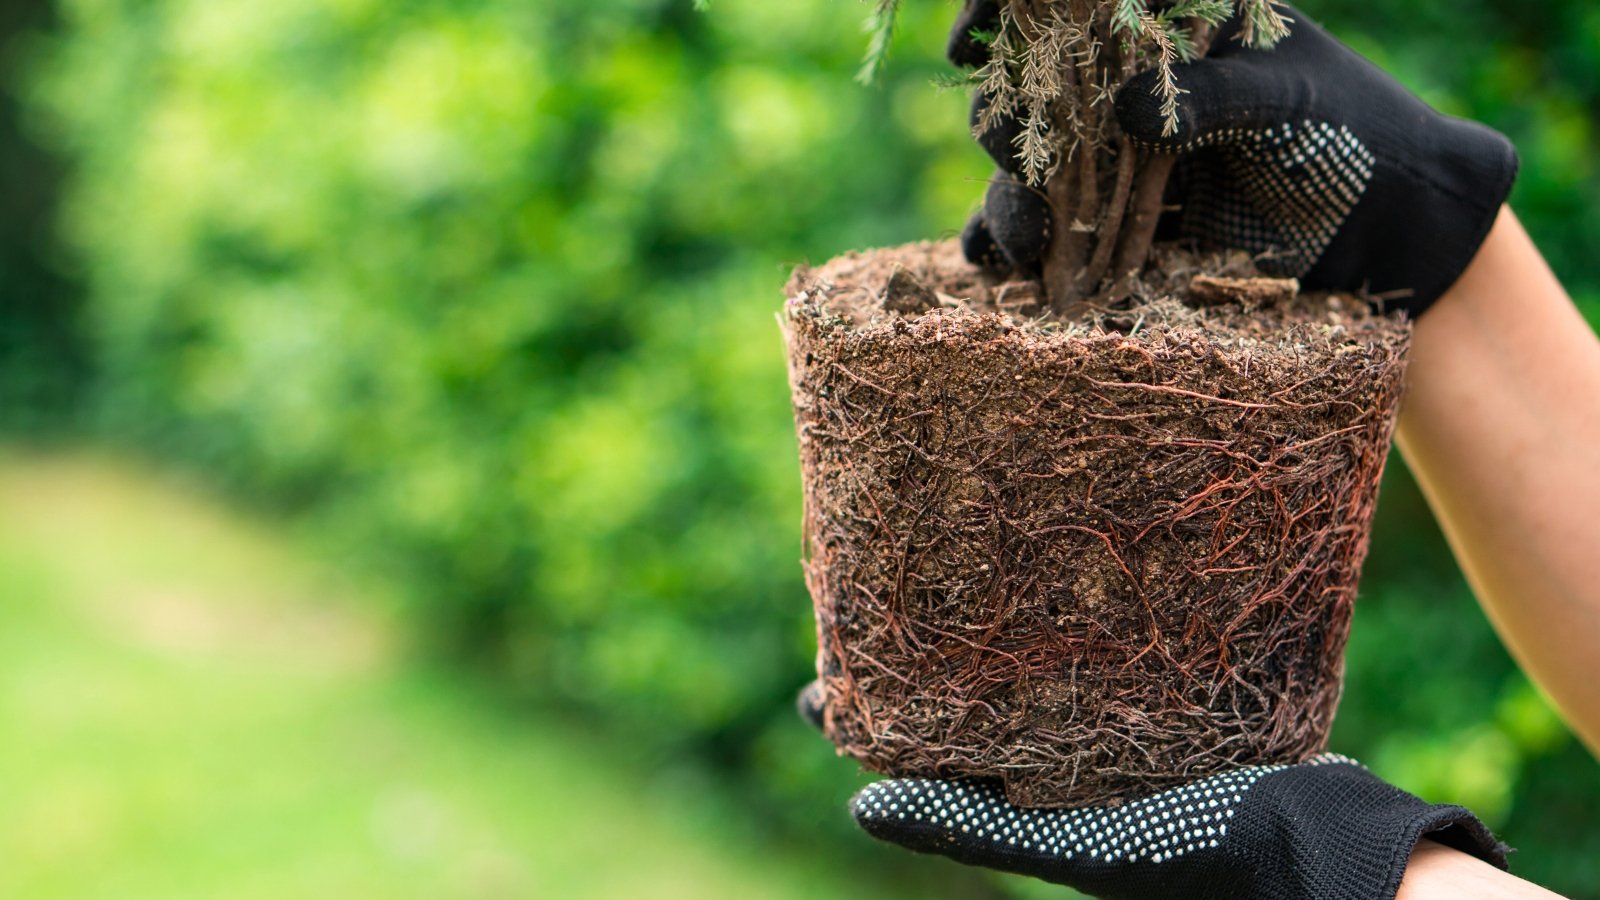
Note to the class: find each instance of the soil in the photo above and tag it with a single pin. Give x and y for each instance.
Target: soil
(1092, 558)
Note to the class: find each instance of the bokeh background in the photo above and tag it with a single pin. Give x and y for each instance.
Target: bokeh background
(398, 493)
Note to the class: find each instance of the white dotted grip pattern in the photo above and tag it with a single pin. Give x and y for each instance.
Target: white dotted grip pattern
(1155, 829)
(1282, 192)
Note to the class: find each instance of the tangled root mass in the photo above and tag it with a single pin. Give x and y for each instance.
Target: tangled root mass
(1093, 559)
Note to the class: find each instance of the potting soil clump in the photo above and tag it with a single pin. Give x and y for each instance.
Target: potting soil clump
(1093, 558)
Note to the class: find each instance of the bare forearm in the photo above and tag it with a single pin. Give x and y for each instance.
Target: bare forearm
(1502, 428)
(1437, 872)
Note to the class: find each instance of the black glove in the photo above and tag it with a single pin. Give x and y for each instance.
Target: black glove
(1012, 231)
(1322, 829)
(966, 50)
(1314, 158)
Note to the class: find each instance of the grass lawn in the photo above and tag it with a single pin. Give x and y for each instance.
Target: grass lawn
(189, 708)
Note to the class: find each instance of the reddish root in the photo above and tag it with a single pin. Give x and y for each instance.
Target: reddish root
(1093, 564)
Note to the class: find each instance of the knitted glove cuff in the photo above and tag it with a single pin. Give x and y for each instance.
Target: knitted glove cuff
(1350, 833)
(1454, 200)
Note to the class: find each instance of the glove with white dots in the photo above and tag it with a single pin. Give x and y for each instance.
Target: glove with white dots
(1327, 828)
(1316, 160)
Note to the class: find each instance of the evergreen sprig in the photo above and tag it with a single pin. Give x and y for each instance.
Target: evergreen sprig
(1054, 69)
(881, 26)
(1025, 78)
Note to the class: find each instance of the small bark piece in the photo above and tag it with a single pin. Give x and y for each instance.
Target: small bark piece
(1250, 293)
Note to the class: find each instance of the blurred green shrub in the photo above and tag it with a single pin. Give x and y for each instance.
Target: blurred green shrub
(488, 286)
(41, 351)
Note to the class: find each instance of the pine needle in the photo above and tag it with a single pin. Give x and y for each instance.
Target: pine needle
(881, 26)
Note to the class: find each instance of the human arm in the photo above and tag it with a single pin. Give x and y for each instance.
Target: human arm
(1500, 424)
(1437, 872)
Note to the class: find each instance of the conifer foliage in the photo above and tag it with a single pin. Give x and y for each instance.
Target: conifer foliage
(1054, 68)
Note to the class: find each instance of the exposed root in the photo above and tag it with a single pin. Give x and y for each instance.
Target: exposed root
(1094, 558)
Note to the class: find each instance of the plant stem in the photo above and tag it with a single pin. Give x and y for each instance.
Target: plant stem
(1151, 186)
(1127, 166)
(1101, 233)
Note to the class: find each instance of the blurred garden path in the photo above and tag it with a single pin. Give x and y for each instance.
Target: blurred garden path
(189, 708)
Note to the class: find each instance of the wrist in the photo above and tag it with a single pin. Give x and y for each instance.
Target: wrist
(1437, 872)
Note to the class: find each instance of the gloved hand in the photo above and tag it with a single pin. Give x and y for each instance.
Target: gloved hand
(1327, 828)
(1309, 155)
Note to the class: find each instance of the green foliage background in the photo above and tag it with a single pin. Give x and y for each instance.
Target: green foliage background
(486, 289)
